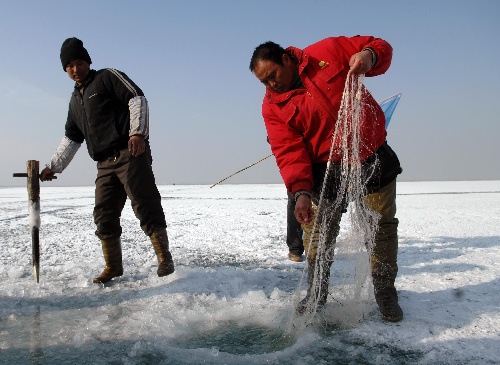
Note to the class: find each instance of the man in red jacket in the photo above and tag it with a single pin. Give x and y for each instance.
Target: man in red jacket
(303, 95)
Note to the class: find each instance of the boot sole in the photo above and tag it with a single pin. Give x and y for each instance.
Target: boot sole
(101, 281)
(166, 273)
(392, 319)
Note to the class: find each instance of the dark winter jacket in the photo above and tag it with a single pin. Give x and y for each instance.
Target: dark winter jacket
(101, 115)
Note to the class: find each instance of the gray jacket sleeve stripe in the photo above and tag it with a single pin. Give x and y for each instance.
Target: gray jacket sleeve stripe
(139, 116)
(124, 80)
(63, 155)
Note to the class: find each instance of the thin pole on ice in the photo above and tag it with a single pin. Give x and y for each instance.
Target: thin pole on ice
(237, 172)
(33, 184)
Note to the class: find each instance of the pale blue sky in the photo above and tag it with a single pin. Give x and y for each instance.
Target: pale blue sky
(191, 60)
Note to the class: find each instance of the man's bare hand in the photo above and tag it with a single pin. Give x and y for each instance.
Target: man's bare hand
(136, 145)
(47, 174)
(303, 209)
(360, 63)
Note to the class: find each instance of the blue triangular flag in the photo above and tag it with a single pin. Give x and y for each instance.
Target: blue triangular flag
(388, 105)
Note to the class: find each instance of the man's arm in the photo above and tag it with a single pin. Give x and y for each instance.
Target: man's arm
(139, 116)
(139, 124)
(383, 56)
(365, 54)
(377, 53)
(290, 151)
(60, 160)
(130, 94)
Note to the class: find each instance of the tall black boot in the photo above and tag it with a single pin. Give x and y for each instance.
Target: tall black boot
(112, 252)
(159, 239)
(317, 292)
(386, 295)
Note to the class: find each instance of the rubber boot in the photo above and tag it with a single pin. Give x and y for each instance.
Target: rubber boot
(112, 252)
(159, 239)
(386, 295)
(317, 293)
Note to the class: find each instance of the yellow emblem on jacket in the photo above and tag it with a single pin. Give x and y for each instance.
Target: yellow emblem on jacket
(323, 64)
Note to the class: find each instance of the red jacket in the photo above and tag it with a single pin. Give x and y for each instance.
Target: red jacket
(300, 122)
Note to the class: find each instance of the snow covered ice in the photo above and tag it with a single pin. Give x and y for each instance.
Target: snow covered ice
(230, 299)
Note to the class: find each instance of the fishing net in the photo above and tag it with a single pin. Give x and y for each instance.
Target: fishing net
(349, 289)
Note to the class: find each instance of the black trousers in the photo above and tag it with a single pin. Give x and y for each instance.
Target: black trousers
(293, 229)
(118, 177)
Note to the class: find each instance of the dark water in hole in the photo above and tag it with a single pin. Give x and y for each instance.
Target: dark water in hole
(234, 338)
(230, 343)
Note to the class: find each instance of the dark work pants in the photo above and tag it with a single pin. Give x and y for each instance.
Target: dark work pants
(293, 229)
(121, 177)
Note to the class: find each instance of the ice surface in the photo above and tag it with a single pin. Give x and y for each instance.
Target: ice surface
(230, 298)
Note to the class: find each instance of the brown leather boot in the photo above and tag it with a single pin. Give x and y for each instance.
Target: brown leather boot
(159, 239)
(112, 251)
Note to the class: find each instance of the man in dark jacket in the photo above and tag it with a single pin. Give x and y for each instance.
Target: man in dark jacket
(109, 112)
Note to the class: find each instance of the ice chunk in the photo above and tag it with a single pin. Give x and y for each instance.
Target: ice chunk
(16, 272)
(214, 351)
(79, 339)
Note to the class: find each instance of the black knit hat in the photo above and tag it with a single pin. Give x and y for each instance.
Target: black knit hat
(72, 49)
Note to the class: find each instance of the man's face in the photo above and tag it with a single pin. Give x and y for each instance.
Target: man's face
(279, 78)
(78, 70)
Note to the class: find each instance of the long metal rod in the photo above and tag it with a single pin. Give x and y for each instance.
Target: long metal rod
(237, 172)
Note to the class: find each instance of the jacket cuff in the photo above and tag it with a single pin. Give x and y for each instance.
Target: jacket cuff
(301, 192)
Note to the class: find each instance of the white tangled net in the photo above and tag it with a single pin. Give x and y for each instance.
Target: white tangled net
(350, 289)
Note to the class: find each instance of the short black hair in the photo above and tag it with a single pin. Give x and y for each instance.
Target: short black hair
(268, 51)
